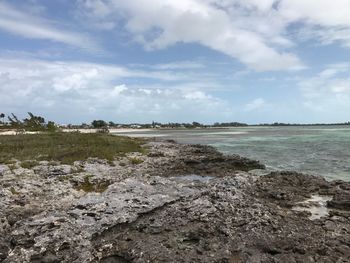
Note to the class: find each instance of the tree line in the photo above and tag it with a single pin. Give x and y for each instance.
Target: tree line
(31, 123)
(38, 123)
(101, 123)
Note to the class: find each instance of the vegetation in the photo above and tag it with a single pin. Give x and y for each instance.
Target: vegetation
(111, 124)
(135, 160)
(99, 124)
(13, 191)
(37, 123)
(32, 123)
(103, 130)
(230, 124)
(65, 147)
(28, 164)
(2, 117)
(88, 186)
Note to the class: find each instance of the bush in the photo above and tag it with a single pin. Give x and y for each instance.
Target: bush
(99, 123)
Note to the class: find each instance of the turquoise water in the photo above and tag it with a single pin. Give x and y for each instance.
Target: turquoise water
(319, 150)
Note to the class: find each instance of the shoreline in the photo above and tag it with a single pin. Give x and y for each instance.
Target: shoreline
(116, 131)
(111, 130)
(178, 203)
(141, 133)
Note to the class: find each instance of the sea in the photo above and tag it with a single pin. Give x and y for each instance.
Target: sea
(317, 150)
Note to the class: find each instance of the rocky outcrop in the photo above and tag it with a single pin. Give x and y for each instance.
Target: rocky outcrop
(178, 203)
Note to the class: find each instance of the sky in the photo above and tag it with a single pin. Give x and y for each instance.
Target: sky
(253, 61)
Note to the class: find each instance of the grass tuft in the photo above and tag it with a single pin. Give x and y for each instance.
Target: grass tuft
(29, 164)
(13, 191)
(12, 167)
(77, 170)
(135, 160)
(88, 186)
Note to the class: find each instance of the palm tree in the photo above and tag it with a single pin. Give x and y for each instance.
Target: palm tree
(2, 116)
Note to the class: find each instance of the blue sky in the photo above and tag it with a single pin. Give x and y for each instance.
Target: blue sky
(252, 61)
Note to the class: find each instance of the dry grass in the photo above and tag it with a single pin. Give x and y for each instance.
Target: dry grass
(88, 186)
(65, 147)
(29, 164)
(135, 160)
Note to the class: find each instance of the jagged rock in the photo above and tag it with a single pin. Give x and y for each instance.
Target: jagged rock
(340, 201)
(3, 169)
(182, 203)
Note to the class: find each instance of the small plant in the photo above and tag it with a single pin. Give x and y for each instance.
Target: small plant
(76, 170)
(13, 191)
(88, 186)
(64, 178)
(10, 162)
(12, 167)
(29, 164)
(103, 130)
(20, 131)
(111, 163)
(135, 160)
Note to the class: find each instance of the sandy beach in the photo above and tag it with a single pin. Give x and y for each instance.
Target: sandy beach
(13, 132)
(114, 130)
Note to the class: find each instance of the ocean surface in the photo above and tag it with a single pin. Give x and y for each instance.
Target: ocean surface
(319, 150)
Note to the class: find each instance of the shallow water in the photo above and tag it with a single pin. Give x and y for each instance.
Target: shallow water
(316, 205)
(320, 150)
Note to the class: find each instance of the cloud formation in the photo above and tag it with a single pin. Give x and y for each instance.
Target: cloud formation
(256, 104)
(21, 23)
(90, 90)
(159, 24)
(258, 33)
(328, 91)
(184, 82)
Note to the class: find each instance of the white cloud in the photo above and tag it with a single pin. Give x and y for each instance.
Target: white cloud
(256, 32)
(146, 91)
(327, 82)
(328, 21)
(84, 91)
(256, 104)
(21, 23)
(117, 90)
(328, 91)
(181, 65)
(196, 95)
(322, 12)
(161, 23)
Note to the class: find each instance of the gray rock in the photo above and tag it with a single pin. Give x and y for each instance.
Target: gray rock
(183, 203)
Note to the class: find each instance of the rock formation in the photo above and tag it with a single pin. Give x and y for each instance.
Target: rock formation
(178, 203)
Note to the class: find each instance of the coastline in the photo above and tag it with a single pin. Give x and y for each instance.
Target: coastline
(180, 203)
(113, 131)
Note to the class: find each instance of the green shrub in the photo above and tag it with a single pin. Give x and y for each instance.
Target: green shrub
(29, 164)
(135, 160)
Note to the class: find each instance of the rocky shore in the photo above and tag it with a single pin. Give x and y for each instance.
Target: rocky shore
(177, 203)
